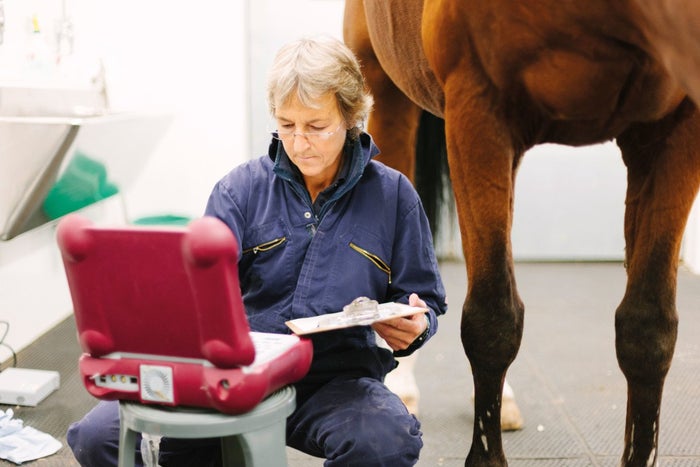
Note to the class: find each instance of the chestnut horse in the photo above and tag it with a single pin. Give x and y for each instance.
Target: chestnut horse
(507, 75)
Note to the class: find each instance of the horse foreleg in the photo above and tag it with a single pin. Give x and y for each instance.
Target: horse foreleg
(511, 418)
(482, 166)
(663, 179)
(491, 332)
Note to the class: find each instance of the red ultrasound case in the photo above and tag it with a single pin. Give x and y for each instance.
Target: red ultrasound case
(160, 317)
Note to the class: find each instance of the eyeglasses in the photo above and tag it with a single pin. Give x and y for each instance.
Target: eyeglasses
(286, 134)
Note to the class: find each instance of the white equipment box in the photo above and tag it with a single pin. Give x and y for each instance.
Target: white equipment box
(19, 386)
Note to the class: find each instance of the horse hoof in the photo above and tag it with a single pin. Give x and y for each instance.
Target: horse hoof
(411, 403)
(511, 419)
(404, 386)
(408, 393)
(402, 382)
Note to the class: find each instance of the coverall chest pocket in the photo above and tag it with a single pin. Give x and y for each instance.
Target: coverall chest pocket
(373, 258)
(263, 256)
(370, 256)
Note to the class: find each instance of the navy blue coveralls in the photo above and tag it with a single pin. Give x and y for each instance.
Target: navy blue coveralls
(366, 235)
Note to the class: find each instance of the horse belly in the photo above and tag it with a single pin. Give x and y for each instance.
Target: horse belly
(566, 85)
(395, 31)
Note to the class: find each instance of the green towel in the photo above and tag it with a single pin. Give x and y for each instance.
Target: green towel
(84, 182)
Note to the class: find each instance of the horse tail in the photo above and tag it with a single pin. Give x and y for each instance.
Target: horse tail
(432, 177)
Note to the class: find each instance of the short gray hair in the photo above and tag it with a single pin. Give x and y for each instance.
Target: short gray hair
(313, 67)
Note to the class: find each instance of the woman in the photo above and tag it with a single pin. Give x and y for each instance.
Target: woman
(319, 223)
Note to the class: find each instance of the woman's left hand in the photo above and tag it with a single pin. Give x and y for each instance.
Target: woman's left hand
(399, 333)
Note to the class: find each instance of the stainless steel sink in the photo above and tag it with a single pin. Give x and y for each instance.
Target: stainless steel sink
(25, 100)
(52, 164)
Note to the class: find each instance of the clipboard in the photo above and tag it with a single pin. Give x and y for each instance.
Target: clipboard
(346, 318)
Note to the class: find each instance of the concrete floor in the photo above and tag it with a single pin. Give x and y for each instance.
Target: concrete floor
(567, 382)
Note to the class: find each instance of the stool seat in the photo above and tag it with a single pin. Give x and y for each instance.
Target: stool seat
(256, 438)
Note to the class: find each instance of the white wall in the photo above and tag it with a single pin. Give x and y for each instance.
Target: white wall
(570, 204)
(272, 24)
(184, 58)
(187, 58)
(690, 253)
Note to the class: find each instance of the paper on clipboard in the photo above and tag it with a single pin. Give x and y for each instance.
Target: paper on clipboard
(343, 319)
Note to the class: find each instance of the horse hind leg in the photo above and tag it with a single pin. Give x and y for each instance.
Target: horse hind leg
(394, 120)
(663, 178)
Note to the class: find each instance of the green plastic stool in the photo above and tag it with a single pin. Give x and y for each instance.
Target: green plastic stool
(256, 438)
